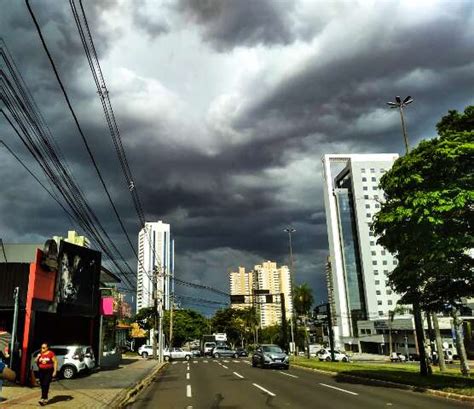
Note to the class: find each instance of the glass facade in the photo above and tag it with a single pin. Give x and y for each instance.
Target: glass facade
(351, 258)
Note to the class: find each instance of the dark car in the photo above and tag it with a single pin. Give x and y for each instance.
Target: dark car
(270, 356)
(242, 352)
(221, 350)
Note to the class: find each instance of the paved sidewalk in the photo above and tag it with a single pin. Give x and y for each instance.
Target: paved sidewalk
(98, 390)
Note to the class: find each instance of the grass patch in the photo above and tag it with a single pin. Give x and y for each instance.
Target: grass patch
(407, 374)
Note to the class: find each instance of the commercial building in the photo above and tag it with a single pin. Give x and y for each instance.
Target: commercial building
(155, 258)
(268, 277)
(74, 238)
(241, 283)
(359, 266)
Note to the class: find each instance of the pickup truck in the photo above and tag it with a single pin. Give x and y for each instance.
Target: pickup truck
(176, 353)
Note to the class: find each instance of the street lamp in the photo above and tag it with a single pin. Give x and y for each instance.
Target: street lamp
(400, 105)
(291, 230)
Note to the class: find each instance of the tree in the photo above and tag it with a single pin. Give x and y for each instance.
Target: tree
(303, 301)
(188, 325)
(426, 220)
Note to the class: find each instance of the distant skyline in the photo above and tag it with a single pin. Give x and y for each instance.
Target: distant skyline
(225, 110)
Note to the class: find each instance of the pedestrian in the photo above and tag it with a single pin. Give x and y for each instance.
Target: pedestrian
(48, 366)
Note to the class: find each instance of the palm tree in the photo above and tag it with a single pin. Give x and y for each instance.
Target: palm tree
(302, 301)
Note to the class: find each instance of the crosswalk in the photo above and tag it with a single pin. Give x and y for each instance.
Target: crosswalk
(206, 361)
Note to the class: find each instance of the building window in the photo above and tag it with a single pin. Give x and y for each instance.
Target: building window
(373, 179)
(365, 188)
(366, 197)
(377, 205)
(378, 292)
(376, 196)
(374, 263)
(379, 302)
(362, 170)
(384, 262)
(371, 233)
(364, 179)
(382, 170)
(380, 313)
(389, 302)
(374, 187)
(395, 262)
(377, 282)
(389, 292)
(368, 215)
(367, 206)
(376, 272)
(373, 253)
(372, 243)
(372, 170)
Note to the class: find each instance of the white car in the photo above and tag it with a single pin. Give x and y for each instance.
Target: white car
(398, 357)
(145, 351)
(325, 355)
(176, 353)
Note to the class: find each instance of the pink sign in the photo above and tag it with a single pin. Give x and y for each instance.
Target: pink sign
(107, 306)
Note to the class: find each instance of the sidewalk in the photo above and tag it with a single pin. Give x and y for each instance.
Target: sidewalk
(98, 390)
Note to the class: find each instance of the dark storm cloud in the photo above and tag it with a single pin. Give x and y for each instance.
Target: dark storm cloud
(227, 24)
(149, 24)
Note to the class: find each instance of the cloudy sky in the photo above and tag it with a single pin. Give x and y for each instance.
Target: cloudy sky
(225, 110)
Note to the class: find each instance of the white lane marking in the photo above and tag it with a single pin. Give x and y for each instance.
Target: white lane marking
(188, 391)
(184, 362)
(189, 407)
(206, 362)
(239, 375)
(288, 374)
(225, 367)
(173, 363)
(247, 362)
(195, 362)
(187, 375)
(235, 361)
(225, 361)
(339, 389)
(263, 389)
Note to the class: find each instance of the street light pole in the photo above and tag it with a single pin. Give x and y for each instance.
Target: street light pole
(400, 105)
(291, 230)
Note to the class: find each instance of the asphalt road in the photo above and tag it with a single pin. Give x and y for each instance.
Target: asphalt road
(231, 384)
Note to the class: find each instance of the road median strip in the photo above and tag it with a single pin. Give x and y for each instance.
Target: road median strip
(384, 382)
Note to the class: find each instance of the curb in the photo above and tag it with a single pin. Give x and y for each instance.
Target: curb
(434, 392)
(127, 396)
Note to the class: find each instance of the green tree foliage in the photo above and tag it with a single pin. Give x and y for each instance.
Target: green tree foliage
(426, 219)
(188, 325)
(302, 299)
(145, 318)
(238, 324)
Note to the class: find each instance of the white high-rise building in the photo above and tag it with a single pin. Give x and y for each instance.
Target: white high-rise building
(155, 254)
(267, 276)
(359, 266)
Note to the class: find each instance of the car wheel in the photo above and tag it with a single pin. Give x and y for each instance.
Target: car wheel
(187, 357)
(166, 358)
(145, 355)
(236, 355)
(345, 359)
(328, 359)
(216, 356)
(254, 364)
(68, 372)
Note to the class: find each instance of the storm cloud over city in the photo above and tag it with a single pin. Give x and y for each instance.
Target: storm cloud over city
(225, 110)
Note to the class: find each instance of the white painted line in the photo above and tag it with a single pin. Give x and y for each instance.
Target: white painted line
(206, 362)
(226, 367)
(288, 374)
(239, 375)
(187, 375)
(247, 362)
(173, 363)
(184, 362)
(235, 361)
(189, 407)
(339, 389)
(188, 391)
(195, 362)
(263, 389)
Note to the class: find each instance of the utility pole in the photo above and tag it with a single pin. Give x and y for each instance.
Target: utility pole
(160, 329)
(331, 333)
(170, 343)
(291, 230)
(12, 351)
(284, 328)
(155, 309)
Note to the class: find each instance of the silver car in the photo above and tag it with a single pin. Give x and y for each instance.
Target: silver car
(270, 356)
(89, 357)
(70, 360)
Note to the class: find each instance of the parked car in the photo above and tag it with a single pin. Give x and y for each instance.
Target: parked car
(196, 352)
(176, 353)
(325, 355)
(398, 357)
(223, 350)
(269, 355)
(70, 360)
(242, 352)
(145, 351)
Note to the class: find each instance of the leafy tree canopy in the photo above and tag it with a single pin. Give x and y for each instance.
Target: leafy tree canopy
(302, 299)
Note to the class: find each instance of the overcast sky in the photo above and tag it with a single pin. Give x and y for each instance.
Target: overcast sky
(225, 110)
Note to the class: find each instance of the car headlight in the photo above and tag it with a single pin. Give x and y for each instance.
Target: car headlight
(287, 358)
(267, 358)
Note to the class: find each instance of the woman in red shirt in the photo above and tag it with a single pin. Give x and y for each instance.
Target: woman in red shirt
(48, 366)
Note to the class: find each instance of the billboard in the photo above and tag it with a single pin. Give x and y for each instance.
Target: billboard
(78, 284)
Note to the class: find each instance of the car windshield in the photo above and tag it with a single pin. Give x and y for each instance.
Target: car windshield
(272, 348)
